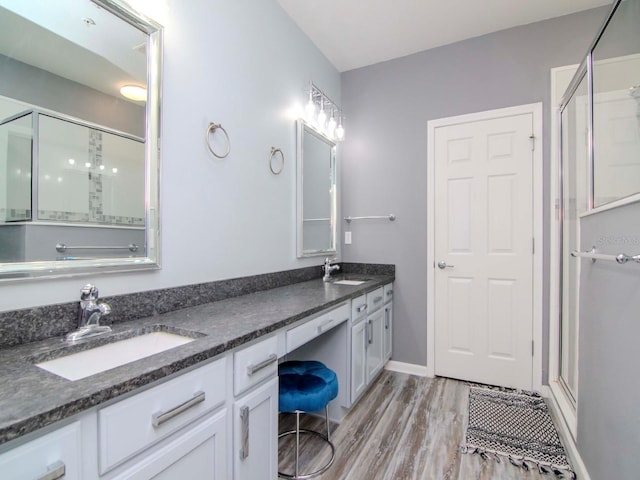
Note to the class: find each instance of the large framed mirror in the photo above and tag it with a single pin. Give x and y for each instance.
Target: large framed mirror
(79, 138)
(316, 192)
(615, 72)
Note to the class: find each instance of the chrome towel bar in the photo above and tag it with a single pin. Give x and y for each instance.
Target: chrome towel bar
(391, 217)
(594, 255)
(63, 247)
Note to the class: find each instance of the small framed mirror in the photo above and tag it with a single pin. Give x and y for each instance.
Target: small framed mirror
(79, 159)
(316, 192)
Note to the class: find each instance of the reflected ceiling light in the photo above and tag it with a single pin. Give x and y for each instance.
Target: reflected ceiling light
(101, 167)
(319, 101)
(72, 161)
(87, 164)
(114, 170)
(134, 92)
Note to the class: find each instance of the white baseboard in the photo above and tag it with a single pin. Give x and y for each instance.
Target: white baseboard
(565, 435)
(410, 368)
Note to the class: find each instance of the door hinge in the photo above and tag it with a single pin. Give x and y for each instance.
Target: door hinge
(533, 246)
(532, 348)
(532, 137)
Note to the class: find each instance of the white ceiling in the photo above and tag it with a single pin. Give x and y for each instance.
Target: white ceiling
(356, 33)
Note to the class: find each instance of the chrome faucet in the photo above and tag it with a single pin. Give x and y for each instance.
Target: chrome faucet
(89, 315)
(328, 268)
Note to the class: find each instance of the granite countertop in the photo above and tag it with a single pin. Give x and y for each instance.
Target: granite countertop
(32, 398)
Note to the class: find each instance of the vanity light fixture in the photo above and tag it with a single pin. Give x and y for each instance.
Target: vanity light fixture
(319, 102)
(134, 92)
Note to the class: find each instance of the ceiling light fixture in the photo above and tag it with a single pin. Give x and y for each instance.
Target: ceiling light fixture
(318, 101)
(134, 92)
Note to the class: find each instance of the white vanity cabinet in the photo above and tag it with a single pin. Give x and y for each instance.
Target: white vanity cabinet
(255, 411)
(199, 452)
(388, 321)
(375, 344)
(371, 337)
(178, 428)
(358, 346)
(53, 456)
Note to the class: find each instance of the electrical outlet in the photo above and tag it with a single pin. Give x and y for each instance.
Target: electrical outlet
(347, 238)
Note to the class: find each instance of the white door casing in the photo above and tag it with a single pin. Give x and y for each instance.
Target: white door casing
(484, 215)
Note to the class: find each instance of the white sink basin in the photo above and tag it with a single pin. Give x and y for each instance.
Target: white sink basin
(349, 282)
(89, 362)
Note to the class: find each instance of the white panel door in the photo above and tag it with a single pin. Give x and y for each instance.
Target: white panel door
(483, 251)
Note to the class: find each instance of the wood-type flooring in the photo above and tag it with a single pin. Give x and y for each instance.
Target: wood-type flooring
(405, 427)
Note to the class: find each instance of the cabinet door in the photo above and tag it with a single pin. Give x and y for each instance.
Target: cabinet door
(57, 454)
(255, 434)
(358, 359)
(375, 344)
(388, 330)
(199, 453)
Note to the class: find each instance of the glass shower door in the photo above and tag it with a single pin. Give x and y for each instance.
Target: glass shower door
(575, 192)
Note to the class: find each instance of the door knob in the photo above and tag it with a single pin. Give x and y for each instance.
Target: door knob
(442, 265)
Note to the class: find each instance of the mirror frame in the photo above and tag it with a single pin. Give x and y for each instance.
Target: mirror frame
(52, 269)
(303, 127)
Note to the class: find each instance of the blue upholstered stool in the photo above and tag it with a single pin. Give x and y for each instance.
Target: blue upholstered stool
(306, 386)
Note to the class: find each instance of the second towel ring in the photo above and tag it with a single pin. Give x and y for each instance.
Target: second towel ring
(212, 129)
(275, 150)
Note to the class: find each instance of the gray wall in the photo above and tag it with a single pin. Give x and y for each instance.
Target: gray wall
(384, 158)
(43, 89)
(609, 391)
(246, 65)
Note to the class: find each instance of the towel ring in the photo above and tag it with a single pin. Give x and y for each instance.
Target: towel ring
(212, 129)
(275, 150)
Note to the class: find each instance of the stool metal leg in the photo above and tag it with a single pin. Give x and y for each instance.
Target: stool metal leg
(297, 433)
(326, 419)
(297, 443)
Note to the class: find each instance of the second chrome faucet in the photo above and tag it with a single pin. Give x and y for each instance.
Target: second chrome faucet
(328, 269)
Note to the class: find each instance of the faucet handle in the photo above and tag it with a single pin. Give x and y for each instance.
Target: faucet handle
(89, 292)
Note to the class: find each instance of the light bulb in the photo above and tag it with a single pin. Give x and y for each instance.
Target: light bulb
(331, 126)
(322, 117)
(340, 131)
(310, 110)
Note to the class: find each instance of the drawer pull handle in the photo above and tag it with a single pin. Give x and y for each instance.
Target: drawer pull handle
(159, 418)
(251, 369)
(244, 432)
(386, 318)
(361, 308)
(54, 471)
(377, 300)
(389, 293)
(370, 332)
(324, 325)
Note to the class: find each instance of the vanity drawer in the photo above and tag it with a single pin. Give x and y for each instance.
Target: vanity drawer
(358, 307)
(58, 454)
(131, 425)
(325, 321)
(388, 292)
(255, 363)
(375, 300)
